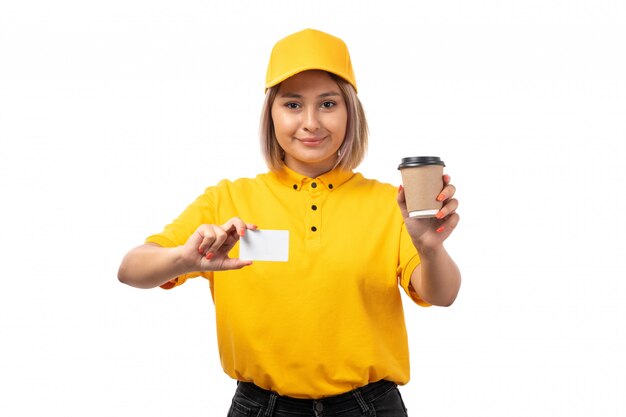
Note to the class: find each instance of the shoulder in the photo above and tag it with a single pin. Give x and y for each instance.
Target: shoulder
(230, 186)
(378, 195)
(239, 182)
(372, 185)
(374, 198)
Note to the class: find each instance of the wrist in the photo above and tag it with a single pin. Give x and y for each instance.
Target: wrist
(182, 263)
(427, 252)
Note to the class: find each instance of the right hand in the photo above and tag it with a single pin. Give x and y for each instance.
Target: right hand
(208, 247)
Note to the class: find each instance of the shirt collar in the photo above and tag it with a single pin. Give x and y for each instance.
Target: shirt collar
(330, 180)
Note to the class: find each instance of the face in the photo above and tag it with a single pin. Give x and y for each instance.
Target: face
(310, 118)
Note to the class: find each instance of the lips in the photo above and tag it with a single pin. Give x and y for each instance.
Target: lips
(312, 141)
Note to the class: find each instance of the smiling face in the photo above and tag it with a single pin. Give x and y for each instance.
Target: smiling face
(310, 118)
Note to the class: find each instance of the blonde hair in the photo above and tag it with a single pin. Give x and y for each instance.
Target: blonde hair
(354, 146)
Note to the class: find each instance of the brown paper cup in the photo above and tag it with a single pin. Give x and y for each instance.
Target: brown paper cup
(422, 178)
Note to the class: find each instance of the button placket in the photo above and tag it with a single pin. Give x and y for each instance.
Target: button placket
(313, 210)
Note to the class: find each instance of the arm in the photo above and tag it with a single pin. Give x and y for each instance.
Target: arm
(150, 265)
(207, 249)
(437, 279)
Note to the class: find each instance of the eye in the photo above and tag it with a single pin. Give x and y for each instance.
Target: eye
(291, 105)
(328, 104)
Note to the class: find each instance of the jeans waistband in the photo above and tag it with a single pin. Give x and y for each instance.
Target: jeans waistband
(358, 398)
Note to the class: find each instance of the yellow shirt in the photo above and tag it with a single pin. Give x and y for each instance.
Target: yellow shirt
(330, 319)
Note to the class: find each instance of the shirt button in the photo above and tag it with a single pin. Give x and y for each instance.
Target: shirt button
(330, 186)
(295, 186)
(314, 229)
(313, 207)
(314, 184)
(319, 407)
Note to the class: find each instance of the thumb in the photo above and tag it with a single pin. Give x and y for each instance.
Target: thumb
(234, 263)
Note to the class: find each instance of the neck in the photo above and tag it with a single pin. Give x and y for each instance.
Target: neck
(310, 170)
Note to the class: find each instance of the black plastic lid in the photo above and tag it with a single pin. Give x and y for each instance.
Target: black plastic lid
(418, 161)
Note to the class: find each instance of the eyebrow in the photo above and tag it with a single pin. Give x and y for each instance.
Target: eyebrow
(323, 95)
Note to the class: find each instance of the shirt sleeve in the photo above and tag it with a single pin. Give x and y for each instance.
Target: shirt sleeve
(201, 211)
(409, 260)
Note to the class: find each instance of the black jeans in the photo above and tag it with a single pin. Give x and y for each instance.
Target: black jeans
(379, 399)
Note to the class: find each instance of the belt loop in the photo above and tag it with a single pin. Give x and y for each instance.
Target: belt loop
(359, 399)
(270, 405)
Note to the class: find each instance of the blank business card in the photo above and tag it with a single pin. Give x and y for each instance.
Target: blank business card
(265, 245)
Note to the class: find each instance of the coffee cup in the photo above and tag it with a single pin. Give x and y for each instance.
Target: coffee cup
(422, 178)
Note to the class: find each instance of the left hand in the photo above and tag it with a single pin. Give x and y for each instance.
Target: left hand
(429, 234)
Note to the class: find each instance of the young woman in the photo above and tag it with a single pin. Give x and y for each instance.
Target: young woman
(322, 334)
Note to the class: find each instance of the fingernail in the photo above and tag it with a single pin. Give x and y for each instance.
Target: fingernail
(400, 188)
(439, 215)
(441, 197)
(200, 250)
(243, 232)
(441, 229)
(209, 255)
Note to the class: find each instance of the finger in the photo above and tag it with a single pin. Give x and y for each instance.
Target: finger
(446, 179)
(195, 240)
(218, 242)
(448, 208)
(401, 199)
(233, 236)
(208, 236)
(235, 224)
(447, 227)
(447, 192)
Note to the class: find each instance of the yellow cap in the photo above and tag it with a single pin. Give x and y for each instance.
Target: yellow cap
(309, 49)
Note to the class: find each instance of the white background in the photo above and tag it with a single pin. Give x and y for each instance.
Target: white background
(114, 115)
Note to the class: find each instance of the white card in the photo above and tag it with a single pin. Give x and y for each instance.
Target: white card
(265, 245)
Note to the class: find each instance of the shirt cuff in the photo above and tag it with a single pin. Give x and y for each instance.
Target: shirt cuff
(405, 281)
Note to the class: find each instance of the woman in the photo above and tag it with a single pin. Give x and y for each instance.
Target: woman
(324, 332)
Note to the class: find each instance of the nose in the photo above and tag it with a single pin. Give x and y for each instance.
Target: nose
(311, 122)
